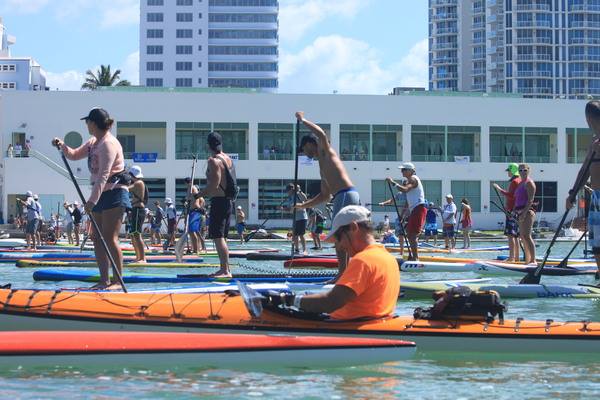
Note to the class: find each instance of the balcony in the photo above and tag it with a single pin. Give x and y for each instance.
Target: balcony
(478, 71)
(479, 56)
(534, 24)
(445, 60)
(446, 75)
(534, 40)
(441, 17)
(478, 41)
(530, 74)
(445, 46)
(584, 57)
(478, 25)
(478, 10)
(533, 7)
(534, 90)
(585, 24)
(591, 41)
(442, 3)
(584, 74)
(446, 31)
(534, 57)
(586, 8)
(478, 86)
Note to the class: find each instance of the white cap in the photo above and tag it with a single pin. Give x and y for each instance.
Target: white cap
(239, 207)
(136, 172)
(29, 193)
(168, 200)
(35, 197)
(346, 216)
(407, 165)
(75, 203)
(449, 196)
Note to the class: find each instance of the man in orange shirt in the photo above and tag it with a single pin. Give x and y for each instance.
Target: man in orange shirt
(370, 284)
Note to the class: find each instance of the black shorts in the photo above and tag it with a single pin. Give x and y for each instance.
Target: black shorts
(220, 214)
(300, 227)
(511, 227)
(171, 226)
(136, 219)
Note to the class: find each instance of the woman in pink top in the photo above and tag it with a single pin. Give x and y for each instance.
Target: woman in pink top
(110, 197)
(466, 222)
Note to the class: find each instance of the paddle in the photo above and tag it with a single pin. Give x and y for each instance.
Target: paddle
(252, 299)
(565, 261)
(534, 277)
(113, 264)
(295, 183)
(410, 255)
(254, 232)
(183, 238)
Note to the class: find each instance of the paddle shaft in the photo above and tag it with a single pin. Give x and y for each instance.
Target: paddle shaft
(295, 184)
(509, 216)
(94, 223)
(410, 255)
(579, 182)
(253, 233)
(183, 238)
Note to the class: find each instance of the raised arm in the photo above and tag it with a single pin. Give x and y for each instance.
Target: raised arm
(314, 128)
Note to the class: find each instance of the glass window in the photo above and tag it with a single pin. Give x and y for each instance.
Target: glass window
(154, 82)
(154, 66)
(506, 144)
(470, 190)
(578, 142)
(128, 144)
(185, 2)
(354, 142)
(540, 145)
(154, 33)
(183, 82)
(387, 142)
(183, 65)
(183, 33)
(275, 141)
(181, 190)
(463, 142)
(156, 191)
(380, 191)
(235, 138)
(183, 49)
(433, 191)
(500, 201)
(184, 17)
(154, 17)
(155, 2)
(190, 139)
(272, 193)
(154, 49)
(143, 137)
(428, 143)
(546, 196)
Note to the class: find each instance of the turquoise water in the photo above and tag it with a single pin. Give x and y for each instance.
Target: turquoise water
(453, 376)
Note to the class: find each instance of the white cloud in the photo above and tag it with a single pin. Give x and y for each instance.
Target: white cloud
(296, 17)
(337, 63)
(72, 80)
(22, 6)
(121, 12)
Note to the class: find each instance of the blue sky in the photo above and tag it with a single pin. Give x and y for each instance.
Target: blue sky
(352, 46)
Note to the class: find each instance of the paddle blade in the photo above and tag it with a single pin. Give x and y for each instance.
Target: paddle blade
(249, 236)
(180, 246)
(530, 279)
(252, 299)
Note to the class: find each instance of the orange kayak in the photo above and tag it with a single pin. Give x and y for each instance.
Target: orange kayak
(194, 349)
(71, 310)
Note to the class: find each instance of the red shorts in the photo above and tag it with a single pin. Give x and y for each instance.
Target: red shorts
(416, 220)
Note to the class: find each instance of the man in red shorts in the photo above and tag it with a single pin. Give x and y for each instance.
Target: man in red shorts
(415, 196)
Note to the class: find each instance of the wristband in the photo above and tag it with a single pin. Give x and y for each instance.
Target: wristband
(297, 301)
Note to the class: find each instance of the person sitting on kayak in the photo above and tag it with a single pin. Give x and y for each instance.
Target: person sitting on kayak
(370, 284)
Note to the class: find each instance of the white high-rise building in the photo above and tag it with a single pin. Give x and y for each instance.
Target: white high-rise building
(537, 48)
(209, 43)
(18, 73)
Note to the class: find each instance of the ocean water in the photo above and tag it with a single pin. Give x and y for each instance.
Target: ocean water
(427, 376)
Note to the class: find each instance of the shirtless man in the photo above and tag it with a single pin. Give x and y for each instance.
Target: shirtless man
(334, 178)
(137, 216)
(195, 217)
(592, 115)
(219, 167)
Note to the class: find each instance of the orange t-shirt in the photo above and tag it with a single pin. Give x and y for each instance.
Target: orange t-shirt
(374, 275)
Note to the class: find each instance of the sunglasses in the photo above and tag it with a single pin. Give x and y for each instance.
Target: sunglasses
(523, 170)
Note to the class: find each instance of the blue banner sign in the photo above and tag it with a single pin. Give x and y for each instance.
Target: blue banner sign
(144, 157)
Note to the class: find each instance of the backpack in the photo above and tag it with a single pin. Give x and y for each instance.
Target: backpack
(232, 190)
(462, 303)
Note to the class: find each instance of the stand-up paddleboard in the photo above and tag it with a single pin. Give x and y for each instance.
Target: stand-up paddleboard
(433, 249)
(92, 264)
(519, 291)
(86, 311)
(491, 267)
(283, 257)
(177, 349)
(10, 242)
(314, 262)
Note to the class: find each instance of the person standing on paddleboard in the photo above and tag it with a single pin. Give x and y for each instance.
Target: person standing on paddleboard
(171, 222)
(109, 198)
(137, 215)
(195, 217)
(511, 227)
(415, 196)
(368, 287)
(466, 223)
(448, 222)
(221, 187)
(334, 178)
(301, 216)
(525, 212)
(592, 159)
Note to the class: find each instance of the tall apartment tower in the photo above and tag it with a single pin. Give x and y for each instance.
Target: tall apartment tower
(209, 43)
(537, 48)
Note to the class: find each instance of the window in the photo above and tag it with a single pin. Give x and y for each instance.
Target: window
(433, 191)
(128, 144)
(184, 17)
(154, 66)
(506, 144)
(463, 143)
(8, 67)
(156, 191)
(185, 2)
(184, 33)
(190, 139)
(578, 142)
(183, 66)
(154, 49)
(183, 82)
(380, 191)
(276, 141)
(8, 85)
(243, 18)
(242, 82)
(235, 138)
(154, 33)
(154, 17)
(240, 3)
(199, 81)
(470, 190)
(546, 196)
(540, 145)
(428, 143)
(183, 49)
(154, 82)
(243, 50)
(354, 142)
(237, 66)
(181, 191)
(272, 193)
(155, 2)
(387, 142)
(242, 34)
(199, 31)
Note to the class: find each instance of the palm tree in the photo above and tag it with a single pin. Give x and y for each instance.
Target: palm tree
(103, 77)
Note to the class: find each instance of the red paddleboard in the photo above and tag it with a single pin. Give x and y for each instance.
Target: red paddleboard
(311, 263)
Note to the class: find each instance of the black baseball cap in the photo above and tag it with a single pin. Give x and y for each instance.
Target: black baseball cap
(215, 141)
(97, 114)
(310, 138)
(187, 179)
